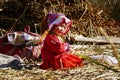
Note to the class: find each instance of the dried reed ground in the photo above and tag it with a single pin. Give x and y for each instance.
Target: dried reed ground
(89, 71)
(86, 26)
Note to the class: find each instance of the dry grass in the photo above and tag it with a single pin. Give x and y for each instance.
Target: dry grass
(89, 71)
(87, 22)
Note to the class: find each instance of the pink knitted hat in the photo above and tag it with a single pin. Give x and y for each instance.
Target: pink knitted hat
(57, 19)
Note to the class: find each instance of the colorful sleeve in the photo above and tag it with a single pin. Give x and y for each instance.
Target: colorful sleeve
(55, 45)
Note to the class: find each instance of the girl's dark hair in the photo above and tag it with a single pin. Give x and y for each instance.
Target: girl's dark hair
(44, 25)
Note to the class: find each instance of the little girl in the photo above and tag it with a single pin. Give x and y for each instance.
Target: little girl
(54, 52)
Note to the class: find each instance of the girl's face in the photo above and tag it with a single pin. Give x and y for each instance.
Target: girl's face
(60, 29)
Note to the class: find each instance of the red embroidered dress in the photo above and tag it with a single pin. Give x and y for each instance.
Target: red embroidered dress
(55, 54)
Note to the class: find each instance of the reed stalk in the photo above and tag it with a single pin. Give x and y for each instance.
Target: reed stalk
(115, 53)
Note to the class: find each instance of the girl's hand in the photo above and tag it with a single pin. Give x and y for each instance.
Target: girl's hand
(67, 46)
